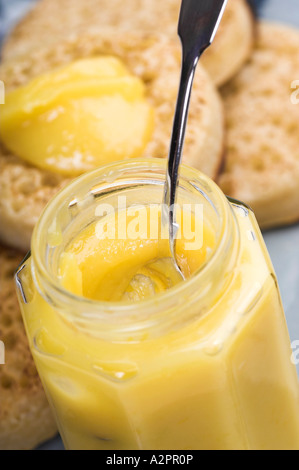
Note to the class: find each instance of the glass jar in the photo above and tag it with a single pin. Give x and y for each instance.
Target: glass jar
(205, 365)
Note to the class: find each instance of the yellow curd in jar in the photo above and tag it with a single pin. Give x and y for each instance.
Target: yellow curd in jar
(102, 267)
(75, 118)
(200, 364)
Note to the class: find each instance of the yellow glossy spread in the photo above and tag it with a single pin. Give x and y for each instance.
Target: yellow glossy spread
(78, 117)
(126, 269)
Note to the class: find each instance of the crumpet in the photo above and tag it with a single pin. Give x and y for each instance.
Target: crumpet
(51, 21)
(25, 416)
(262, 162)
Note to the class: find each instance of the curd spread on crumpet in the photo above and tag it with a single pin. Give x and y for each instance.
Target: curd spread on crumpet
(78, 117)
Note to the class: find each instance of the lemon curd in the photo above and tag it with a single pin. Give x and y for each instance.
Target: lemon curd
(200, 364)
(75, 118)
(101, 267)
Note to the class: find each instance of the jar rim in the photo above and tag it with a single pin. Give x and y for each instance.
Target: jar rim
(98, 309)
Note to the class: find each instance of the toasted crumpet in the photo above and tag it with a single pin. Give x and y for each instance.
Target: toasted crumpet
(51, 21)
(262, 164)
(156, 60)
(25, 417)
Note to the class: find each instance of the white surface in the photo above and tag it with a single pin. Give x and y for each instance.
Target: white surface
(283, 244)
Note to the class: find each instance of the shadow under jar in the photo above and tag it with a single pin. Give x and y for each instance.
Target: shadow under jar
(203, 365)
